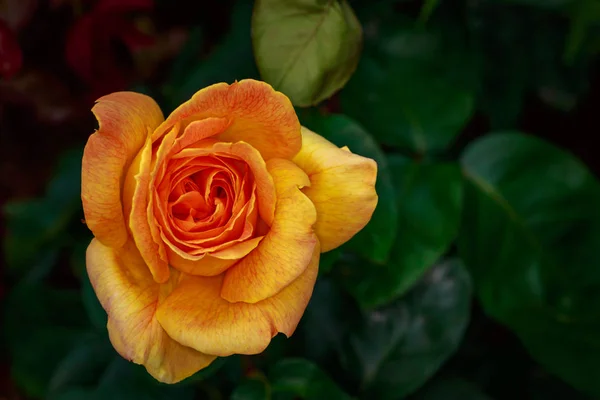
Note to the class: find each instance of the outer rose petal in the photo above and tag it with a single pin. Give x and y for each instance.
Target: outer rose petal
(130, 296)
(286, 250)
(259, 115)
(195, 315)
(123, 119)
(342, 188)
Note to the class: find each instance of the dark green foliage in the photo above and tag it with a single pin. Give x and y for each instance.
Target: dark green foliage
(478, 276)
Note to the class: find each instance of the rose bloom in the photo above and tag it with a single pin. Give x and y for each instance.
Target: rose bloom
(209, 225)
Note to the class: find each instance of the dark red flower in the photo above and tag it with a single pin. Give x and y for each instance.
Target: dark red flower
(96, 42)
(11, 57)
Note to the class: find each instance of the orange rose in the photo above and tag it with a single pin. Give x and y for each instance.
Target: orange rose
(208, 225)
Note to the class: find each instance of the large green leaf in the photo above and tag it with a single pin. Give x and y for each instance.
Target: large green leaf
(326, 321)
(289, 379)
(86, 360)
(327, 260)
(296, 378)
(252, 389)
(308, 49)
(429, 198)
(375, 241)
(405, 90)
(93, 308)
(74, 393)
(502, 40)
(37, 228)
(558, 83)
(530, 234)
(544, 4)
(399, 347)
(427, 9)
(451, 389)
(391, 351)
(516, 60)
(125, 380)
(40, 326)
(585, 16)
(95, 312)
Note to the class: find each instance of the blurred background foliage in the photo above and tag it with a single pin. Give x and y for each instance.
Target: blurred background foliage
(478, 276)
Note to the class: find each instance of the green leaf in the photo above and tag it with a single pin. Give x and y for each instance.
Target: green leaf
(40, 325)
(429, 200)
(451, 389)
(78, 250)
(96, 314)
(530, 239)
(517, 61)
(326, 321)
(64, 189)
(75, 393)
(546, 4)
(124, 380)
(33, 362)
(427, 9)
(252, 389)
(503, 42)
(299, 378)
(328, 260)
(404, 92)
(399, 347)
(375, 241)
(93, 308)
(544, 386)
(307, 49)
(391, 351)
(584, 15)
(558, 83)
(93, 368)
(34, 234)
(84, 362)
(207, 372)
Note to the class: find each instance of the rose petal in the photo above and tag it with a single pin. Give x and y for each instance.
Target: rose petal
(286, 250)
(245, 152)
(259, 115)
(215, 263)
(220, 214)
(180, 241)
(130, 296)
(135, 196)
(195, 315)
(198, 130)
(124, 119)
(342, 188)
(240, 230)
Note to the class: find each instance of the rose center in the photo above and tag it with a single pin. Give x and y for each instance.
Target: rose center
(207, 192)
(208, 199)
(200, 196)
